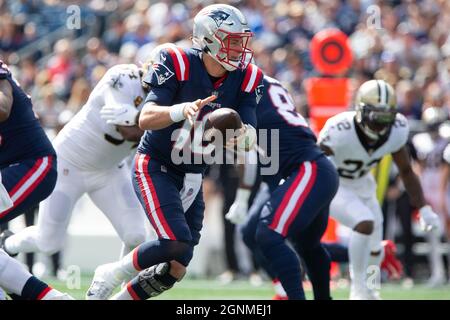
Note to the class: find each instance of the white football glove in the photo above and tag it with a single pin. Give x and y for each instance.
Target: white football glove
(124, 115)
(429, 220)
(238, 210)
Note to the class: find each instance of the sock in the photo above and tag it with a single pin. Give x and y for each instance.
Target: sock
(283, 261)
(279, 290)
(318, 265)
(358, 250)
(151, 253)
(124, 250)
(375, 259)
(13, 276)
(35, 289)
(23, 241)
(435, 257)
(123, 294)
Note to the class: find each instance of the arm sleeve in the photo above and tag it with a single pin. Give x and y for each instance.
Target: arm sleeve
(162, 80)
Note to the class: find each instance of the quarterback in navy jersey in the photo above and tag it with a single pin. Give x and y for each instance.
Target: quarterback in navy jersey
(28, 176)
(185, 85)
(298, 208)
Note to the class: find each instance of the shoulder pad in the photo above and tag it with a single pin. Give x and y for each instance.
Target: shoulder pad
(401, 130)
(179, 59)
(252, 78)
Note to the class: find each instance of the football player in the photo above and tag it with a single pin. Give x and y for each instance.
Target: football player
(356, 141)
(296, 209)
(27, 176)
(90, 152)
(185, 85)
(429, 147)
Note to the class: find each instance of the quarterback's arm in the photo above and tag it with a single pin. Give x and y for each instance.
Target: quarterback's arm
(6, 99)
(155, 117)
(409, 178)
(130, 133)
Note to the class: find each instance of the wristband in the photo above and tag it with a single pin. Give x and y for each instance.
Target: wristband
(177, 112)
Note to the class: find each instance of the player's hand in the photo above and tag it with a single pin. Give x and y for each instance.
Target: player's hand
(245, 141)
(237, 213)
(429, 221)
(238, 210)
(191, 109)
(124, 115)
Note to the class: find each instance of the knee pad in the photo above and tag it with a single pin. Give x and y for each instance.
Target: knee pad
(178, 250)
(186, 257)
(148, 282)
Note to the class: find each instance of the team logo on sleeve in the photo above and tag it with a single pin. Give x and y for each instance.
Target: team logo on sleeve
(218, 16)
(162, 73)
(259, 91)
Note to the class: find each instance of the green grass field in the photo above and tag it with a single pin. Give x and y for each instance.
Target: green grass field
(242, 290)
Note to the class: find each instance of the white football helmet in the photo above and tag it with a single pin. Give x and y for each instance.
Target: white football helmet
(222, 32)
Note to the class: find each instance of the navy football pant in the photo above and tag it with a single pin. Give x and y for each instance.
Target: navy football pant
(158, 190)
(298, 210)
(28, 182)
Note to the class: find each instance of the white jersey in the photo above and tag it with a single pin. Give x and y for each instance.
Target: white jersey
(447, 154)
(87, 141)
(352, 158)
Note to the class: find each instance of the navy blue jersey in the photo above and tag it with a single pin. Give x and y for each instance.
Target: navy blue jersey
(297, 143)
(180, 76)
(21, 135)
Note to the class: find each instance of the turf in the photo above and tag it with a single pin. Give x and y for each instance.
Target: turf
(193, 289)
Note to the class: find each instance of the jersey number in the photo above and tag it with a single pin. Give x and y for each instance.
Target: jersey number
(285, 106)
(356, 168)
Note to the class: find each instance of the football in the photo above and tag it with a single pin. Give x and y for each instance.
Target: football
(221, 120)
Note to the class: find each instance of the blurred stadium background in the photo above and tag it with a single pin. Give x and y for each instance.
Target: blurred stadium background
(58, 50)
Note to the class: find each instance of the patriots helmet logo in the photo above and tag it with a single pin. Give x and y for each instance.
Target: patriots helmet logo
(218, 16)
(162, 73)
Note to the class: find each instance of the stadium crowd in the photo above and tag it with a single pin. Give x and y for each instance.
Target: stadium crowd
(405, 42)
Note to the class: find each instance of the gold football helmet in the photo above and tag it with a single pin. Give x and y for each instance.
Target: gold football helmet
(376, 108)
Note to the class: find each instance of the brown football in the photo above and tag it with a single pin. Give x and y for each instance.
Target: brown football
(221, 120)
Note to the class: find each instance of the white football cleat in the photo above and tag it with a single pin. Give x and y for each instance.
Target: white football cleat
(104, 282)
(62, 296)
(363, 294)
